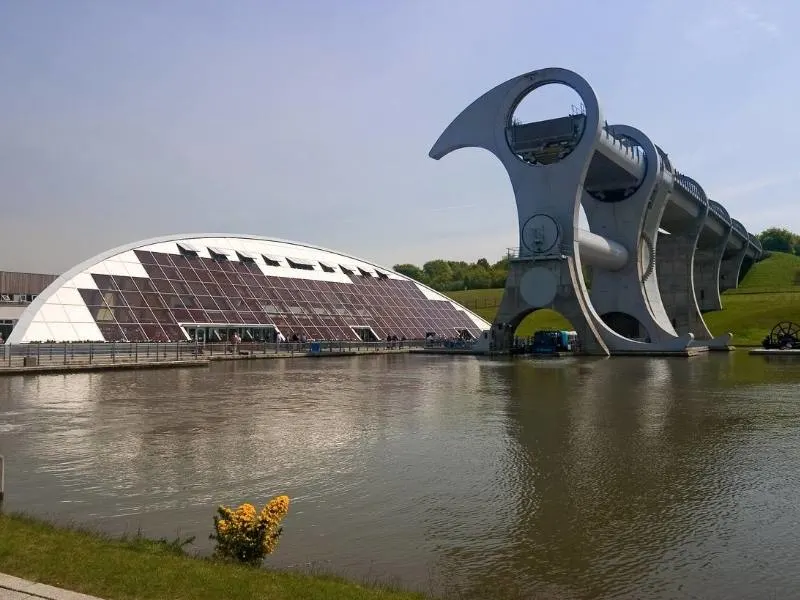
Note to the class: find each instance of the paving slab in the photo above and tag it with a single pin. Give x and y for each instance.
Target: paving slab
(14, 588)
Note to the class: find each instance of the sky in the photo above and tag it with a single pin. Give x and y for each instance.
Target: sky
(312, 121)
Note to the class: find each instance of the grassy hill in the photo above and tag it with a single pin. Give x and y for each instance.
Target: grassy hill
(778, 273)
(769, 293)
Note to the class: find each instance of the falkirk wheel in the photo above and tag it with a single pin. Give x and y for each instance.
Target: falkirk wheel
(659, 249)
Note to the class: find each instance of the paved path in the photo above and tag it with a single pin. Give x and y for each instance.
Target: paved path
(14, 588)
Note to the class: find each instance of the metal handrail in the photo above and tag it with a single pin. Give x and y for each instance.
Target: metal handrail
(720, 211)
(739, 228)
(65, 354)
(755, 242)
(691, 187)
(664, 159)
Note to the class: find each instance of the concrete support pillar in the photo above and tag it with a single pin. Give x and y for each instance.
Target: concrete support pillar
(675, 259)
(730, 268)
(620, 297)
(707, 264)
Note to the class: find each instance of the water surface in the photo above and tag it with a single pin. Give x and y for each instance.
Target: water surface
(573, 478)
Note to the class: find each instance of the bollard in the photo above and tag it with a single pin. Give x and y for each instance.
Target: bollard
(2, 477)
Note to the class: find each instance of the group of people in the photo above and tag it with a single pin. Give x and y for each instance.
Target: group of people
(393, 342)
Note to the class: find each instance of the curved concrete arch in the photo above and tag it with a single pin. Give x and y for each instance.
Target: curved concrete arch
(483, 124)
(681, 263)
(48, 293)
(634, 224)
(627, 325)
(708, 258)
(731, 263)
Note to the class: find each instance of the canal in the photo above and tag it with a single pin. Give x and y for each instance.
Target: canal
(573, 478)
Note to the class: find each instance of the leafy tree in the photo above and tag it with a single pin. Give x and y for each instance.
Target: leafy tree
(478, 277)
(500, 273)
(439, 274)
(778, 240)
(412, 271)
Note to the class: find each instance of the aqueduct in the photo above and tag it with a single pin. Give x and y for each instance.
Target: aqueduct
(660, 250)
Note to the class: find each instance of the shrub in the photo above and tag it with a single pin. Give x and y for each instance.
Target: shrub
(247, 536)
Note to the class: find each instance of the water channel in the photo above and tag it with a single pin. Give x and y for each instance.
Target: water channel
(573, 478)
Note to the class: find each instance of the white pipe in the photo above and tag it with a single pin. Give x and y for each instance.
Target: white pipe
(601, 252)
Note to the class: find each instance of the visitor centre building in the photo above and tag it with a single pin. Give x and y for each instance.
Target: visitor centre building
(206, 287)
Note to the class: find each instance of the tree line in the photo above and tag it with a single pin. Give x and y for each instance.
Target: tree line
(451, 275)
(778, 239)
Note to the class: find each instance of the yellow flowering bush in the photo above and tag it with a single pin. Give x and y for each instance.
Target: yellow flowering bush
(245, 535)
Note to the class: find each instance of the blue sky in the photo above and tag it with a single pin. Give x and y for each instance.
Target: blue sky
(312, 120)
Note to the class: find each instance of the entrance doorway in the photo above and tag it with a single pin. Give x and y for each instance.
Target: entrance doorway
(247, 333)
(365, 333)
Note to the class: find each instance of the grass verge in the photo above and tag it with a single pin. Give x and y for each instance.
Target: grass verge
(138, 568)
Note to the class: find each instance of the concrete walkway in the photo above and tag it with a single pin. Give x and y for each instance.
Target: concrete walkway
(14, 588)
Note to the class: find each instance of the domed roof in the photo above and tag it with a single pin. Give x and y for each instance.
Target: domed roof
(161, 288)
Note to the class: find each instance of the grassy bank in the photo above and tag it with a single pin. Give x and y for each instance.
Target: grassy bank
(118, 569)
(769, 293)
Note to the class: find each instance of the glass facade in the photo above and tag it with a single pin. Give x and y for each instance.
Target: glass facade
(183, 290)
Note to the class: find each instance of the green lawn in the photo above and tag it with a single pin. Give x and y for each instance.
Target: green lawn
(769, 293)
(144, 569)
(750, 317)
(779, 272)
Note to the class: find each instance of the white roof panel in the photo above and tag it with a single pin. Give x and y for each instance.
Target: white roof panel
(301, 261)
(188, 247)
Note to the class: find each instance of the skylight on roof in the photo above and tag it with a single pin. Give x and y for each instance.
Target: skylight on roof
(300, 263)
(187, 249)
(246, 257)
(218, 253)
(188, 246)
(366, 272)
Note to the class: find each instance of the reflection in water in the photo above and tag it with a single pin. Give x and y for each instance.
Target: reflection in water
(640, 478)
